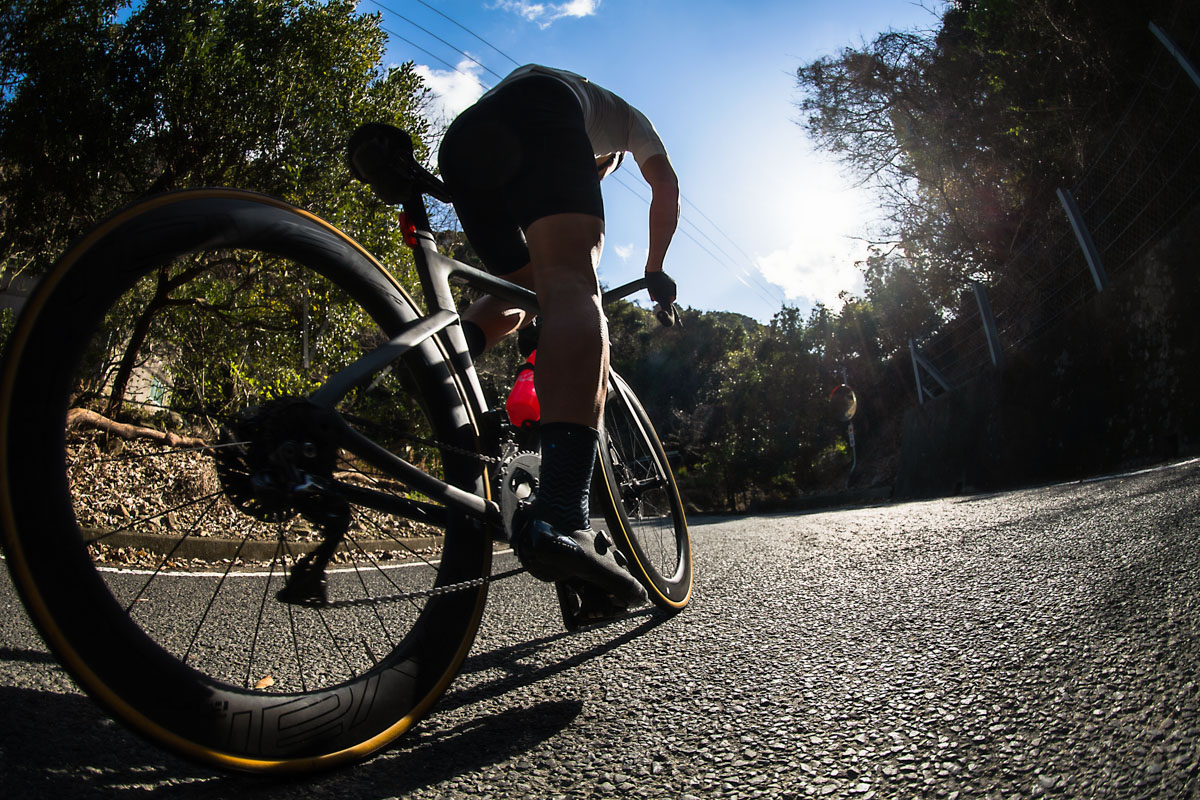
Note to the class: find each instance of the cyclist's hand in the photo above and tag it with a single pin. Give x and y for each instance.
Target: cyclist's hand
(662, 291)
(661, 287)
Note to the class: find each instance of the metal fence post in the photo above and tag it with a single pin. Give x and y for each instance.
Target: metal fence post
(920, 362)
(912, 351)
(1174, 50)
(989, 322)
(1084, 237)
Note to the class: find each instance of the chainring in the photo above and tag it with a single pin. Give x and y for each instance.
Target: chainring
(517, 483)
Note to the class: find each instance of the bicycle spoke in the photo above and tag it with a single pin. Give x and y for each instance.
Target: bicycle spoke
(258, 620)
(163, 562)
(197, 480)
(383, 628)
(388, 578)
(211, 602)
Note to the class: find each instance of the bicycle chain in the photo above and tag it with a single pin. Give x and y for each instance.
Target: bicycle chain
(436, 591)
(462, 451)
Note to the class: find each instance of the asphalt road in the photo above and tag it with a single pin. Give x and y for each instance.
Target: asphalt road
(1025, 644)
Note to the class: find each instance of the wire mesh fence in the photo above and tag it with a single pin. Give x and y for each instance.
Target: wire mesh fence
(1136, 190)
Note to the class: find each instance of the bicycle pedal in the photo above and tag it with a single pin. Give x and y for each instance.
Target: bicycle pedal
(306, 585)
(584, 605)
(568, 604)
(304, 593)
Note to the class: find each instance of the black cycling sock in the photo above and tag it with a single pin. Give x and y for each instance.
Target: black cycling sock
(568, 454)
(476, 338)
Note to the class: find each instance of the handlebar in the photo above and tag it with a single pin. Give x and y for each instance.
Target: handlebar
(667, 316)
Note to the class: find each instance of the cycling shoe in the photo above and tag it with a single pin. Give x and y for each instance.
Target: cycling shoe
(553, 555)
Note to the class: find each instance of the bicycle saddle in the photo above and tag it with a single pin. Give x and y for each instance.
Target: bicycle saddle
(381, 156)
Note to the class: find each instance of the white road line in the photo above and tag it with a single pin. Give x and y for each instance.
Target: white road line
(276, 573)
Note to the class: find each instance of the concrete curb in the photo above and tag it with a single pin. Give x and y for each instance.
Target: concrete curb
(213, 548)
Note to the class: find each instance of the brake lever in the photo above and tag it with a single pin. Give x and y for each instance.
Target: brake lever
(667, 315)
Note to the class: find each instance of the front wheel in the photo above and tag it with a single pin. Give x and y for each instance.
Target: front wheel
(163, 475)
(641, 501)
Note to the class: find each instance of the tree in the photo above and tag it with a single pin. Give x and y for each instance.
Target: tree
(262, 95)
(967, 130)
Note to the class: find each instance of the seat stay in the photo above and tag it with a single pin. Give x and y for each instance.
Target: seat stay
(361, 370)
(415, 477)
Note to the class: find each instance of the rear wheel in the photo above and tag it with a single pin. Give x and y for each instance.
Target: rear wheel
(641, 501)
(164, 476)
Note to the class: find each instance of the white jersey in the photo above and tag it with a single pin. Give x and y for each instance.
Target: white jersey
(613, 126)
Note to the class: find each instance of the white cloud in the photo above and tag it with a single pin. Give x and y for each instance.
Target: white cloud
(453, 90)
(546, 13)
(816, 269)
(623, 251)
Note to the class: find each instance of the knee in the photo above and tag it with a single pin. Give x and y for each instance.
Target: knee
(566, 288)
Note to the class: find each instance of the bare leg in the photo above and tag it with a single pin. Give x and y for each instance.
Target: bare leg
(572, 367)
(497, 318)
(571, 376)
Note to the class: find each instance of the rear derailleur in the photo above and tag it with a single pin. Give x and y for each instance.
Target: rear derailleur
(276, 462)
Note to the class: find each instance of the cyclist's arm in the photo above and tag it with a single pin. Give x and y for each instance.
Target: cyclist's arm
(664, 208)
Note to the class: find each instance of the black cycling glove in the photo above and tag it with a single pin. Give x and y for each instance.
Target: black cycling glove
(661, 287)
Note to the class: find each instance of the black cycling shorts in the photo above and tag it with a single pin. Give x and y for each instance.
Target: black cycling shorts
(514, 157)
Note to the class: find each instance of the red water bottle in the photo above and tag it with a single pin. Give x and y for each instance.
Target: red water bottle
(522, 404)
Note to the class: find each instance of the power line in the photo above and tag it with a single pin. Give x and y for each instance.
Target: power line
(715, 226)
(435, 36)
(439, 59)
(730, 264)
(740, 274)
(468, 30)
(770, 294)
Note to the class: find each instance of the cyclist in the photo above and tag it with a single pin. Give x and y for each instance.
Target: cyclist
(524, 166)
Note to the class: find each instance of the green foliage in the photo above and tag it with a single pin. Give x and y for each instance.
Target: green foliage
(255, 94)
(258, 95)
(965, 131)
(742, 406)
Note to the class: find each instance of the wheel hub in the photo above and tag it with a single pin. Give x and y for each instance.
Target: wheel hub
(276, 460)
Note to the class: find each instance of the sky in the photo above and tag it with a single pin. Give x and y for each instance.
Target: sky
(766, 219)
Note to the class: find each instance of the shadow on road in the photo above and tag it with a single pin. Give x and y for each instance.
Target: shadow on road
(28, 656)
(64, 745)
(57, 745)
(510, 658)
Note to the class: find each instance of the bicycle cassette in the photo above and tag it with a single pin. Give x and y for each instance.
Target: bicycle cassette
(518, 483)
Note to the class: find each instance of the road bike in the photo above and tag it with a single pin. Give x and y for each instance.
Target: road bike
(216, 371)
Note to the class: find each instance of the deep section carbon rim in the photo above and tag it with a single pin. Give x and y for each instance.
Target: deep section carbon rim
(173, 484)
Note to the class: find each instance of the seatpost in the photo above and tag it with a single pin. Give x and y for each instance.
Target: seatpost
(434, 272)
(435, 283)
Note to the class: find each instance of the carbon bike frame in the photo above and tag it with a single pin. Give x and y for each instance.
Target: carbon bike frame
(443, 322)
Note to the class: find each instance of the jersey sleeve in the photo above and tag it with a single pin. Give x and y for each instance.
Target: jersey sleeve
(644, 141)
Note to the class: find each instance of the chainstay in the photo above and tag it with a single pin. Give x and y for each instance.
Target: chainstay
(460, 451)
(436, 591)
